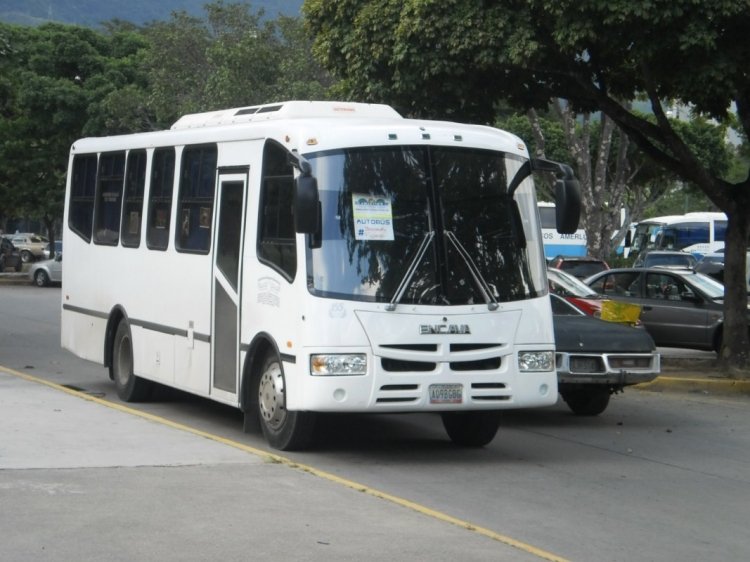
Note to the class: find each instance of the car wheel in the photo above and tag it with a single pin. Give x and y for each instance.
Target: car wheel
(26, 256)
(130, 388)
(283, 429)
(471, 429)
(41, 278)
(586, 400)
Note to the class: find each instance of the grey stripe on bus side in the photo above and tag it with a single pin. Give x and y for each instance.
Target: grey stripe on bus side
(161, 328)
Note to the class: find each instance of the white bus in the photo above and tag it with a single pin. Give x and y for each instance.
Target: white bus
(557, 243)
(308, 257)
(697, 233)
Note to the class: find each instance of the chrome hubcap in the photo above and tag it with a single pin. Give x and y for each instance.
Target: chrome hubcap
(271, 401)
(124, 361)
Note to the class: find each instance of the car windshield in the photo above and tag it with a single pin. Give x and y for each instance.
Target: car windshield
(709, 286)
(425, 225)
(565, 285)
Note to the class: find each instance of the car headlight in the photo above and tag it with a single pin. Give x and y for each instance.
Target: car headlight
(530, 361)
(338, 364)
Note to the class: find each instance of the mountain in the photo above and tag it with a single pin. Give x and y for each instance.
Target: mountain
(92, 13)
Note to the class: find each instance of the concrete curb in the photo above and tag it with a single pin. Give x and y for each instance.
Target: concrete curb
(14, 278)
(686, 373)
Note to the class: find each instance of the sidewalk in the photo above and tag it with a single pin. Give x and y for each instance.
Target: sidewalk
(84, 479)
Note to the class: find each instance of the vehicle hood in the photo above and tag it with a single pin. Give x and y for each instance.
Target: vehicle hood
(584, 333)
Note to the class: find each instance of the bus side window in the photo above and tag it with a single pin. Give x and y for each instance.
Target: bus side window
(82, 189)
(195, 203)
(160, 199)
(107, 207)
(277, 239)
(132, 206)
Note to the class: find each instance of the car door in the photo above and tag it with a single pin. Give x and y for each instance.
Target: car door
(672, 312)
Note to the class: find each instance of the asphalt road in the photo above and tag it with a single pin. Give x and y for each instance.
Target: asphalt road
(659, 476)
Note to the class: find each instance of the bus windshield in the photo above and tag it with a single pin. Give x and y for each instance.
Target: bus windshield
(424, 225)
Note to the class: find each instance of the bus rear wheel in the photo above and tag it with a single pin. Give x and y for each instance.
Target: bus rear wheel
(471, 429)
(130, 388)
(283, 429)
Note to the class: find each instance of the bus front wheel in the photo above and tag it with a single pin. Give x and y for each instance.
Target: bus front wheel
(471, 429)
(130, 388)
(283, 429)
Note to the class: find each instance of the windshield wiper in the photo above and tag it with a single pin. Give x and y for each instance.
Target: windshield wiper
(398, 295)
(484, 288)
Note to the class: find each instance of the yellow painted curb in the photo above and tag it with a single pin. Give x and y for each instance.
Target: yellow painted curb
(707, 384)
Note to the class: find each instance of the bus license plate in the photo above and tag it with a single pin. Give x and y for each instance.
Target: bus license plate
(446, 393)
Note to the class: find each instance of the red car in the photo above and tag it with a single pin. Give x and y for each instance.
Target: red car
(575, 291)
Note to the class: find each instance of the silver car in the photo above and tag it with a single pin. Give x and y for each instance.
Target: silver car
(43, 273)
(679, 307)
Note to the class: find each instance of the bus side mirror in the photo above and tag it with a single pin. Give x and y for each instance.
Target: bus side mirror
(306, 204)
(567, 192)
(628, 239)
(567, 204)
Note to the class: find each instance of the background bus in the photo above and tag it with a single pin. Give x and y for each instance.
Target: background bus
(306, 257)
(555, 243)
(697, 233)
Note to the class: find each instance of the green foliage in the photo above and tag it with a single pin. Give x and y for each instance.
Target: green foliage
(230, 59)
(62, 82)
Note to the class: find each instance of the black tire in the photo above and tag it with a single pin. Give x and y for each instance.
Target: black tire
(26, 256)
(471, 429)
(41, 279)
(130, 388)
(283, 429)
(586, 400)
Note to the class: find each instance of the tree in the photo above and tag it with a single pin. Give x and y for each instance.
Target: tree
(460, 58)
(58, 79)
(232, 58)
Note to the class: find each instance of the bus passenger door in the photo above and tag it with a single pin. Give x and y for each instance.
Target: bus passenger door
(226, 282)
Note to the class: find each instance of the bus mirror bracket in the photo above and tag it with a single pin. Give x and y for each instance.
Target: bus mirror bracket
(567, 194)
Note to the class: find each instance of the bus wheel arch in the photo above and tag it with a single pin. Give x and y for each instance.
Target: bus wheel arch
(264, 400)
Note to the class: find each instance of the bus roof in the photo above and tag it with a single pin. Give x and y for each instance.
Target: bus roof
(285, 110)
(687, 217)
(311, 126)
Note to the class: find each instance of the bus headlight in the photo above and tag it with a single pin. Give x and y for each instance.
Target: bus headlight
(530, 361)
(338, 364)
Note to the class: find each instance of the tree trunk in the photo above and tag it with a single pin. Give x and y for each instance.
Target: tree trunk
(734, 354)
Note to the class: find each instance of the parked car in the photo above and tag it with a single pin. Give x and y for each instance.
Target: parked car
(30, 246)
(575, 291)
(578, 266)
(44, 272)
(9, 256)
(595, 359)
(713, 265)
(679, 307)
(49, 253)
(665, 258)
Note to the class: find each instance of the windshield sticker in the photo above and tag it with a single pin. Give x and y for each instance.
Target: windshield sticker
(373, 217)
